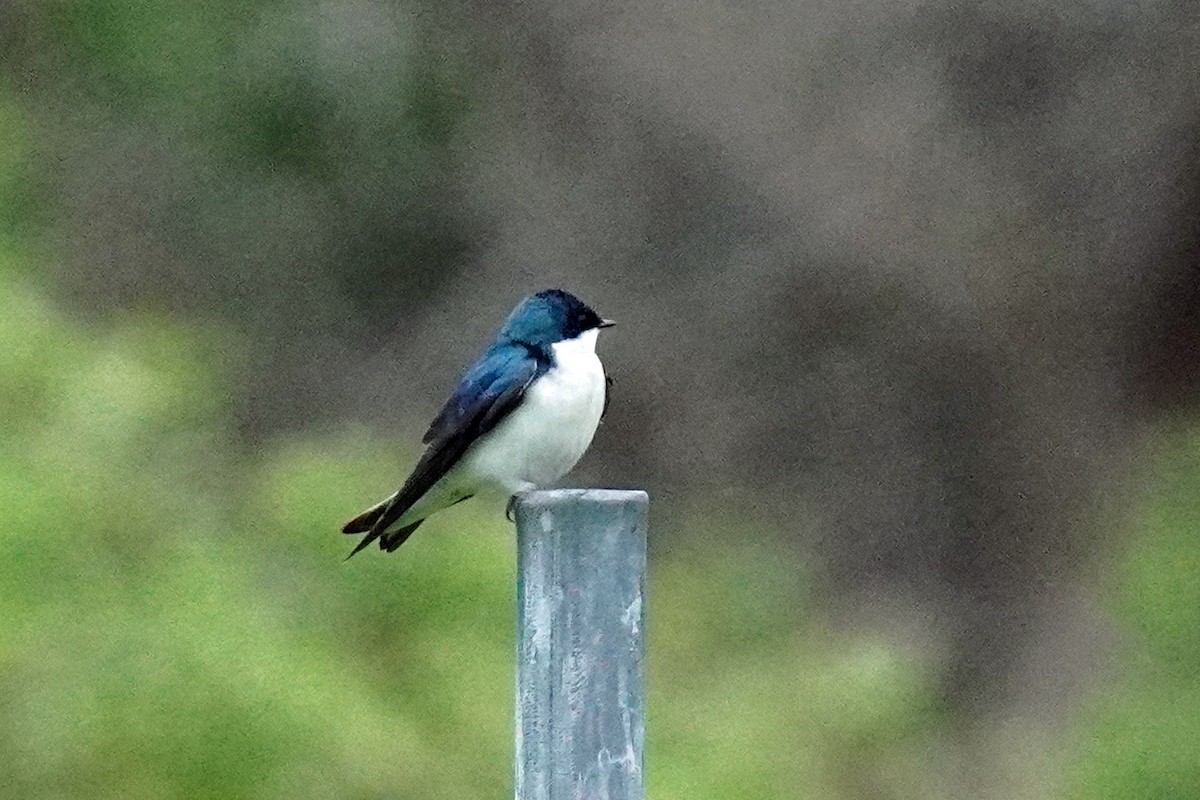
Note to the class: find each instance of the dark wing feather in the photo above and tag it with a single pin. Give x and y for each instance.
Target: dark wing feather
(492, 370)
(489, 392)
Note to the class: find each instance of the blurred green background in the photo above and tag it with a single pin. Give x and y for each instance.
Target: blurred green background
(946, 545)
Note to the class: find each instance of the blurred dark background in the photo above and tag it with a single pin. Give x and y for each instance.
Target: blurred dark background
(908, 354)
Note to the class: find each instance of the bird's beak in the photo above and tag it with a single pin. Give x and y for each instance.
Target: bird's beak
(606, 323)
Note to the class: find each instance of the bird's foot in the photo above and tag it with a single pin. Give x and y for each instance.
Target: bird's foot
(511, 508)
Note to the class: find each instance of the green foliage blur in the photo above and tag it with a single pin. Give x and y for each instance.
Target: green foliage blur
(1140, 736)
(179, 623)
(176, 619)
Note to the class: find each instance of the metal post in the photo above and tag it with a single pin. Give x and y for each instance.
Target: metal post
(581, 573)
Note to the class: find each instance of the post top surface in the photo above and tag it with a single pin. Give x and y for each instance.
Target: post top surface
(548, 498)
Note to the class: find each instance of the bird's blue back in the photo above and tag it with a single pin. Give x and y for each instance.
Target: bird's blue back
(503, 367)
(521, 352)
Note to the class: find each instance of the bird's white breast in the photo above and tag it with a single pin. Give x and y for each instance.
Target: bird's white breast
(547, 434)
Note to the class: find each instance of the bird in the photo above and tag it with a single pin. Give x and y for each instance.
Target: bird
(521, 417)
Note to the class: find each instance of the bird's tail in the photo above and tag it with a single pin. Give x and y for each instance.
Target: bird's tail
(368, 522)
(363, 522)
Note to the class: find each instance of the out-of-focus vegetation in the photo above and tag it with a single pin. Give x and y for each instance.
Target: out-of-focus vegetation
(178, 623)
(214, 216)
(1139, 735)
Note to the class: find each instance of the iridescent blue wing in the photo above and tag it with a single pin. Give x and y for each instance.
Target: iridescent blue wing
(489, 391)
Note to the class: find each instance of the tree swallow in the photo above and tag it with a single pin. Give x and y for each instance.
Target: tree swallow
(521, 417)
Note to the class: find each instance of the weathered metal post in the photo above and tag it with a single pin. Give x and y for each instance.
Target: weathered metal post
(581, 573)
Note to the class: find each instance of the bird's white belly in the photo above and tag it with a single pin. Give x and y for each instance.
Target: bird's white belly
(542, 439)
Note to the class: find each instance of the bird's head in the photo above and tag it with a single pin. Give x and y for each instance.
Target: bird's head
(548, 317)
